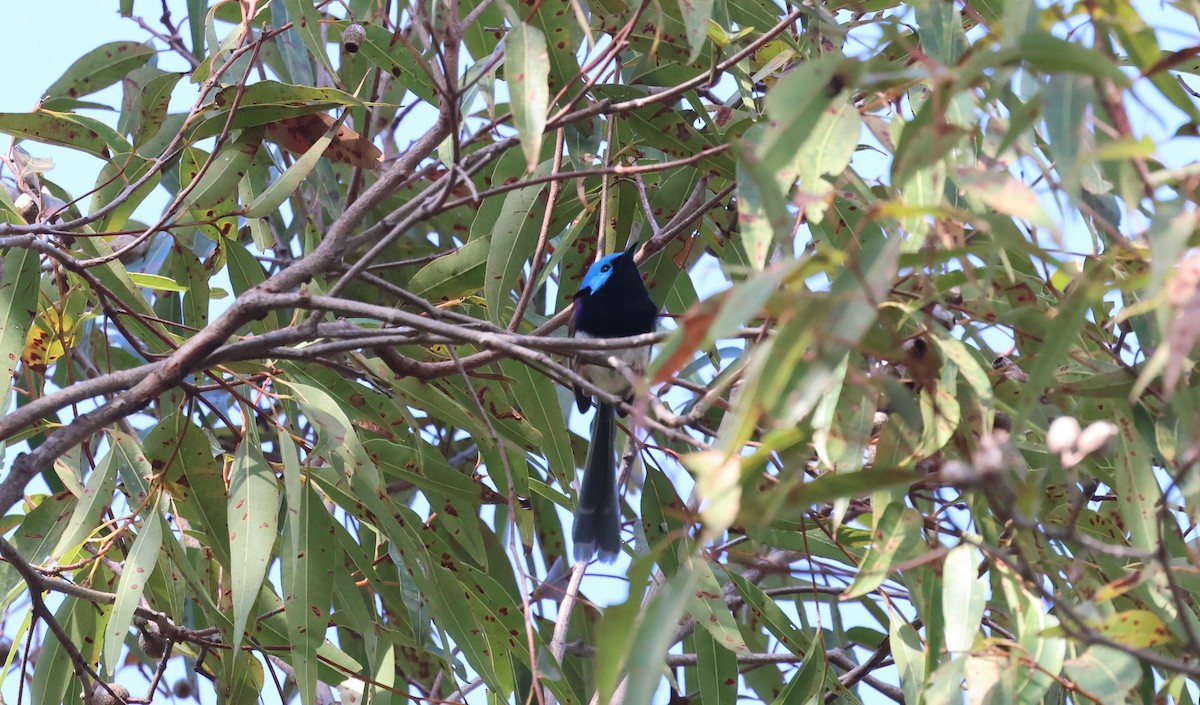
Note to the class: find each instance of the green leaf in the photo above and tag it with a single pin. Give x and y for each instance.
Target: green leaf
(138, 566)
(453, 611)
(942, 36)
(226, 169)
(797, 103)
(963, 599)
(1068, 98)
(1104, 670)
(527, 69)
(308, 557)
(716, 670)
(514, 235)
(1068, 319)
(93, 499)
(969, 366)
(39, 532)
(336, 434)
(19, 286)
(454, 275)
(1035, 632)
(772, 616)
(253, 511)
(825, 155)
(909, 655)
(538, 399)
(896, 539)
(391, 54)
(842, 423)
(1136, 486)
(156, 282)
(147, 98)
(192, 470)
(1054, 55)
(112, 184)
(708, 608)
(53, 677)
(269, 102)
(307, 22)
(245, 273)
(809, 682)
(99, 68)
(652, 637)
(115, 278)
(762, 207)
(696, 14)
(240, 679)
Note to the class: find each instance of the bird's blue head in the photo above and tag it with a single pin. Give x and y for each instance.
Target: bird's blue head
(599, 273)
(603, 269)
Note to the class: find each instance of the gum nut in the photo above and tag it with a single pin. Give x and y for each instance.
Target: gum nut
(353, 37)
(27, 207)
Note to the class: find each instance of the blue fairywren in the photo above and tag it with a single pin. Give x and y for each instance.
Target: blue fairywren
(612, 302)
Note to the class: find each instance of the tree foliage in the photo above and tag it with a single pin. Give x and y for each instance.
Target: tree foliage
(920, 418)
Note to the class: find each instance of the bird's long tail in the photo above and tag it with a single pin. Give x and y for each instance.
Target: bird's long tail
(597, 516)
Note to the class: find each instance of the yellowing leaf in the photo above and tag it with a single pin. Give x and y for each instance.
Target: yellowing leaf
(1136, 628)
(48, 339)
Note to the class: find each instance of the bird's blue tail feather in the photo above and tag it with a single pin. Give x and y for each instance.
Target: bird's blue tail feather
(597, 515)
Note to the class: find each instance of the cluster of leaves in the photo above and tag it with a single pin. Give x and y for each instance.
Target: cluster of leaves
(307, 426)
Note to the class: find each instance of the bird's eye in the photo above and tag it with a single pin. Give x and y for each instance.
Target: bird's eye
(606, 268)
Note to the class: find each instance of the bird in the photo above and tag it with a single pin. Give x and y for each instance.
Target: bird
(612, 302)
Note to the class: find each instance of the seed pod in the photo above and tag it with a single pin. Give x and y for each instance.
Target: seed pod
(353, 37)
(152, 641)
(120, 242)
(104, 697)
(183, 688)
(27, 207)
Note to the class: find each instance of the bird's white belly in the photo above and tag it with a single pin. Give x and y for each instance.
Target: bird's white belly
(610, 379)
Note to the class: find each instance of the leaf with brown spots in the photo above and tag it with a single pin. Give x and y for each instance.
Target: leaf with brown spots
(79, 132)
(225, 170)
(253, 511)
(527, 68)
(100, 68)
(1138, 629)
(50, 336)
(266, 102)
(138, 566)
(146, 100)
(309, 555)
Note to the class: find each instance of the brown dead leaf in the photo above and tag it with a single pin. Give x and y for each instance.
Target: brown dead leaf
(694, 326)
(298, 134)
